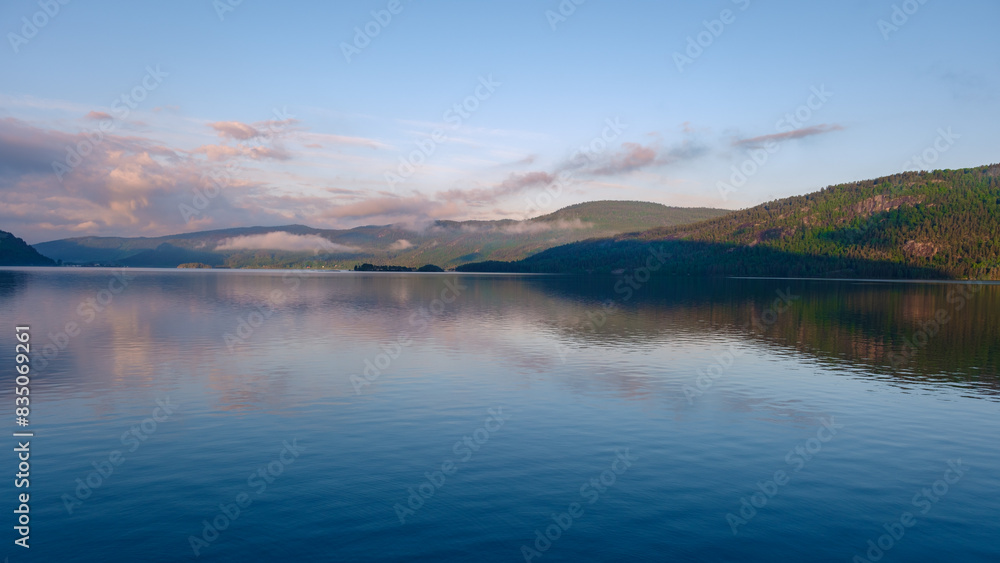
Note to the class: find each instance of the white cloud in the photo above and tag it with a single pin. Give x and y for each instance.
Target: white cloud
(533, 227)
(280, 240)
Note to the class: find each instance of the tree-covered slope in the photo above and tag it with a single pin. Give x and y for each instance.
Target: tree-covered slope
(16, 252)
(629, 216)
(941, 224)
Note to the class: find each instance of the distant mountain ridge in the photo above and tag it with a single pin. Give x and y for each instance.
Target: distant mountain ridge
(16, 252)
(444, 243)
(943, 224)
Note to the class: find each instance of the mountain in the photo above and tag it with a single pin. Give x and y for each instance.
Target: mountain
(16, 252)
(443, 243)
(943, 224)
(626, 216)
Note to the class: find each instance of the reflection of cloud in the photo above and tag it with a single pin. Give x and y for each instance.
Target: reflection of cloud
(280, 240)
(401, 244)
(796, 134)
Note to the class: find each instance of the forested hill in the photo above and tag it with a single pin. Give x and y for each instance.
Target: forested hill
(943, 224)
(16, 252)
(444, 243)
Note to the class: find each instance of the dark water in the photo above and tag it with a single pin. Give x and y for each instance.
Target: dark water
(644, 424)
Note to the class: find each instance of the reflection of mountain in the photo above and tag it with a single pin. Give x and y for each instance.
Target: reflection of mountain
(444, 243)
(171, 326)
(11, 283)
(849, 323)
(936, 225)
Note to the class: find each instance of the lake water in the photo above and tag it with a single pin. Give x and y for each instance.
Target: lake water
(679, 420)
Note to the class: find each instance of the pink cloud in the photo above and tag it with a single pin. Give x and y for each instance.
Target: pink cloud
(318, 138)
(245, 131)
(121, 186)
(514, 184)
(787, 135)
(235, 130)
(633, 156)
(280, 240)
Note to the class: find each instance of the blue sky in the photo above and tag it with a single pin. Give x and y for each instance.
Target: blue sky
(309, 136)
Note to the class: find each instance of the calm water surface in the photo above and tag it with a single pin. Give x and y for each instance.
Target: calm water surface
(394, 417)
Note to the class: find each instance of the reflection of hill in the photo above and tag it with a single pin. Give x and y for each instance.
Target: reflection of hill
(11, 283)
(842, 322)
(171, 326)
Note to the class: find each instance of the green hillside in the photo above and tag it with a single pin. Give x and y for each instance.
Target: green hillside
(942, 224)
(444, 243)
(16, 252)
(628, 216)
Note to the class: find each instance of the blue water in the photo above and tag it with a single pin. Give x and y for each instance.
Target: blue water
(528, 391)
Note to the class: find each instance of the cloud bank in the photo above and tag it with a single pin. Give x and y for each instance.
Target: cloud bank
(280, 240)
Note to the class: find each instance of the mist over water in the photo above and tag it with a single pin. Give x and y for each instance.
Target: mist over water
(399, 417)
